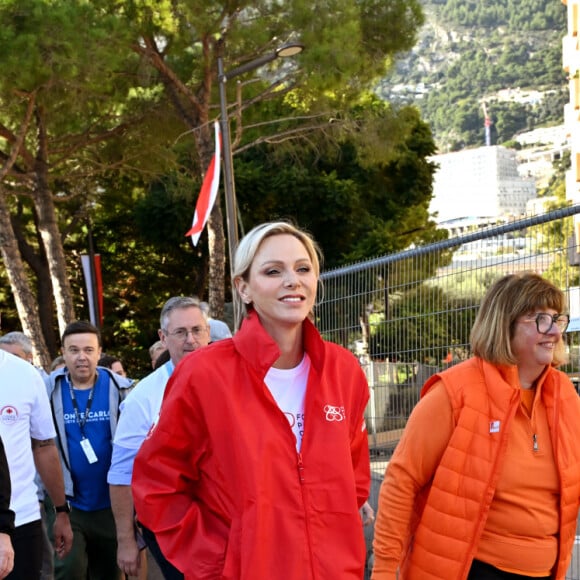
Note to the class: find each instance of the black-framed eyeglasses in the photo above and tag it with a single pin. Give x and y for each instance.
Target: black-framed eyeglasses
(545, 321)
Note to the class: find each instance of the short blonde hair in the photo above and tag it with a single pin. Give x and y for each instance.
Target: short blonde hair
(511, 297)
(249, 246)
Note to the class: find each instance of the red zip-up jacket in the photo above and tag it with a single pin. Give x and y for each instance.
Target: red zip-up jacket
(219, 480)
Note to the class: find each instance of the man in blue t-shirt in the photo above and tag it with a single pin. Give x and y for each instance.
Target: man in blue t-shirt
(85, 400)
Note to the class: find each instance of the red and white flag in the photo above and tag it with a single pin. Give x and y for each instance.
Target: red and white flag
(209, 190)
(94, 283)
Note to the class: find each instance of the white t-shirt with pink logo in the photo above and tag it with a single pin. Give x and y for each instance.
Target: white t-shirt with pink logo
(288, 387)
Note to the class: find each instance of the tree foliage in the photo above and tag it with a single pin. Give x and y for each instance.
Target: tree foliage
(469, 52)
(349, 45)
(516, 15)
(330, 190)
(123, 95)
(61, 102)
(357, 206)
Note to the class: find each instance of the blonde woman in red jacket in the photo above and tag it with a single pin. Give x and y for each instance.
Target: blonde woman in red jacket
(259, 462)
(485, 482)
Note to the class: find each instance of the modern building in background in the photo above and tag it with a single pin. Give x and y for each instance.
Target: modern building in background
(479, 186)
(571, 63)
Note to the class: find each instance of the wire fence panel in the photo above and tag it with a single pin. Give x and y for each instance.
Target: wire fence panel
(408, 315)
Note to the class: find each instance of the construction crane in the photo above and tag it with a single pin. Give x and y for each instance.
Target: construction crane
(487, 124)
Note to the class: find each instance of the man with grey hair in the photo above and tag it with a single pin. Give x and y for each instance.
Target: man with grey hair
(18, 344)
(184, 328)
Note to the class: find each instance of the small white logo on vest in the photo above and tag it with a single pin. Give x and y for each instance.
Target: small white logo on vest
(334, 413)
(494, 426)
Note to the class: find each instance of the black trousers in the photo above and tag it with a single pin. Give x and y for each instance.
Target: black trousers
(169, 571)
(482, 571)
(27, 541)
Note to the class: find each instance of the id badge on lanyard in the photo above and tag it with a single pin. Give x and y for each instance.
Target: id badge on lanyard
(88, 450)
(85, 443)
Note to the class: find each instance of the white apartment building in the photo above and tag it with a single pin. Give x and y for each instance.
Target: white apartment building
(571, 64)
(482, 184)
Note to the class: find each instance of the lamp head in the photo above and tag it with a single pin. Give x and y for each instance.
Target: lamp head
(289, 49)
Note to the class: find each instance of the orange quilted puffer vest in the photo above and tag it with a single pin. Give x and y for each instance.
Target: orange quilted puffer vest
(451, 514)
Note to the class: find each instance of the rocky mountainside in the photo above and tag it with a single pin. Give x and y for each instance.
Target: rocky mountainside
(499, 59)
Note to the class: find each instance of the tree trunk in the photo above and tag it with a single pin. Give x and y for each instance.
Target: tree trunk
(217, 260)
(39, 265)
(23, 296)
(49, 231)
(193, 108)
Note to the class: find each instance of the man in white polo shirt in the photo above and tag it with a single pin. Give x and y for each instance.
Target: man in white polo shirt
(184, 328)
(28, 433)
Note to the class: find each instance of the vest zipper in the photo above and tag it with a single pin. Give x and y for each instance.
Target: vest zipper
(535, 442)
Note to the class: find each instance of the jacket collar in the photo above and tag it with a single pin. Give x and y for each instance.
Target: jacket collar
(510, 375)
(121, 382)
(260, 350)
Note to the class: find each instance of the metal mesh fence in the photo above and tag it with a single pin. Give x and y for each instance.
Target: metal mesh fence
(409, 315)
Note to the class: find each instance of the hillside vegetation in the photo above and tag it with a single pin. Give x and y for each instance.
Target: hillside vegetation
(504, 53)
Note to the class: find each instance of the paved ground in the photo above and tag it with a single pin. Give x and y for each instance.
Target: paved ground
(153, 571)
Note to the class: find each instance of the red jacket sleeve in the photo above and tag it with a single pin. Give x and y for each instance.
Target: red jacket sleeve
(359, 448)
(165, 479)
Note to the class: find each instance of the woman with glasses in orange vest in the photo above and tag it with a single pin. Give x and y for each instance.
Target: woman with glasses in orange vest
(485, 482)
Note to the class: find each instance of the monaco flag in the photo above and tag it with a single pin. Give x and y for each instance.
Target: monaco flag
(208, 192)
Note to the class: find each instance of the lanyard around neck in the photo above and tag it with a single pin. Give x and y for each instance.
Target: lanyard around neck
(81, 420)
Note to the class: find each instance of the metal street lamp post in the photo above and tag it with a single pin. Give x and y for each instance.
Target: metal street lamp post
(286, 50)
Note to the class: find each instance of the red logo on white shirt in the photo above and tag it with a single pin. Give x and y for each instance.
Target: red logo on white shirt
(8, 415)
